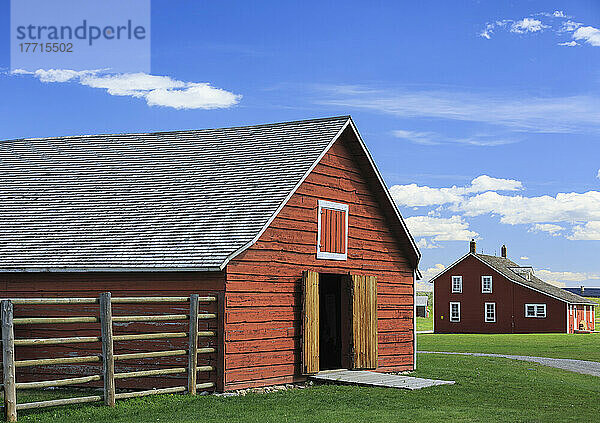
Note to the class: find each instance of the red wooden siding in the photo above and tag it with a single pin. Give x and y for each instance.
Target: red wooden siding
(510, 299)
(22, 285)
(333, 231)
(263, 288)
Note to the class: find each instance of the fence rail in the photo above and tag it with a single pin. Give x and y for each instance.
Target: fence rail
(108, 357)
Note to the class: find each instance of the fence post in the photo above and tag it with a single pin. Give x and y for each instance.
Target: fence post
(108, 361)
(193, 349)
(220, 364)
(8, 361)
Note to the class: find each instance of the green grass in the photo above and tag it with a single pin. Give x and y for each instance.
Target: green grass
(555, 345)
(487, 389)
(426, 323)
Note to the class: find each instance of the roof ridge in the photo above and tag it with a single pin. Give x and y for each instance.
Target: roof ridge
(260, 125)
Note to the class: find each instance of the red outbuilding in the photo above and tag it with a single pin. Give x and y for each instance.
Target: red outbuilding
(488, 294)
(291, 223)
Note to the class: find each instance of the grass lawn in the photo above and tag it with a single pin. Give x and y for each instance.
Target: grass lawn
(555, 345)
(426, 323)
(487, 389)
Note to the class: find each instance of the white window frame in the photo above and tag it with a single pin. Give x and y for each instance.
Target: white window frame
(460, 286)
(455, 319)
(536, 309)
(488, 320)
(323, 204)
(483, 290)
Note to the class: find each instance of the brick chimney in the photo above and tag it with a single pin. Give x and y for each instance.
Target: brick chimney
(472, 246)
(503, 251)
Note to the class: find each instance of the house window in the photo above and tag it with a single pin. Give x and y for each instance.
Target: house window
(456, 284)
(332, 241)
(455, 312)
(486, 284)
(490, 312)
(535, 310)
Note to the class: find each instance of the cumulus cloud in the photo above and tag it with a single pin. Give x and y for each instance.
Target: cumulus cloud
(564, 207)
(569, 44)
(155, 89)
(598, 175)
(527, 25)
(546, 227)
(440, 229)
(413, 195)
(588, 34)
(561, 278)
(569, 26)
(524, 258)
(427, 245)
(433, 271)
(589, 231)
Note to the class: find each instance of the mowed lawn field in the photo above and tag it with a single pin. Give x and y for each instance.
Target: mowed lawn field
(486, 389)
(554, 345)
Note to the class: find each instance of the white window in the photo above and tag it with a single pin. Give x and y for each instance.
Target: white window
(490, 312)
(332, 241)
(535, 310)
(486, 284)
(455, 312)
(456, 284)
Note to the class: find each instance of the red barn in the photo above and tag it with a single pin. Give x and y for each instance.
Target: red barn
(290, 222)
(487, 294)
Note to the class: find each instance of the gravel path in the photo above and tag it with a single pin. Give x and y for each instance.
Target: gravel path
(577, 366)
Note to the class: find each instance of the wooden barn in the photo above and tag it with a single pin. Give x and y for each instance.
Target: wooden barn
(291, 223)
(488, 294)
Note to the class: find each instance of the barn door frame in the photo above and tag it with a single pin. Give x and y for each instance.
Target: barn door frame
(364, 321)
(310, 322)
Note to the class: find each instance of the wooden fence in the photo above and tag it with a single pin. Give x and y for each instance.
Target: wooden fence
(108, 357)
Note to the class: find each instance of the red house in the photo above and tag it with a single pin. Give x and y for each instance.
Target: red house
(291, 222)
(487, 294)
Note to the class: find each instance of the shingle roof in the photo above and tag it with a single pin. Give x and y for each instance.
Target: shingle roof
(182, 199)
(503, 265)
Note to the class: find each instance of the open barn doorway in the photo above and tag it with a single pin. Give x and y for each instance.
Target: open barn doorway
(330, 321)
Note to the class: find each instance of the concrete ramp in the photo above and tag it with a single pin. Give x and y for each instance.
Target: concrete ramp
(368, 378)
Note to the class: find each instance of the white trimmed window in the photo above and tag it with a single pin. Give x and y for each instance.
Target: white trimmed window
(456, 284)
(490, 312)
(535, 310)
(332, 239)
(486, 284)
(455, 312)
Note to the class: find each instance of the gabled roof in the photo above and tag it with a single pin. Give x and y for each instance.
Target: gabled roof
(181, 200)
(503, 266)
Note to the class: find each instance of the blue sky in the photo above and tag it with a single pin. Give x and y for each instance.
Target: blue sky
(500, 100)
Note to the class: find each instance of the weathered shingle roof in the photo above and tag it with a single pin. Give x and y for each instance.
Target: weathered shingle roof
(169, 200)
(503, 265)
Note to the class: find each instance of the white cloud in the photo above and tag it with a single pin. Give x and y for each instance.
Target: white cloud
(589, 34)
(433, 271)
(560, 278)
(559, 14)
(569, 44)
(572, 114)
(564, 207)
(431, 138)
(156, 90)
(413, 195)
(589, 231)
(598, 175)
(439, 228)
(424, 244)
(569, 26)
(527, 25)
(524, 258)
(550, 228)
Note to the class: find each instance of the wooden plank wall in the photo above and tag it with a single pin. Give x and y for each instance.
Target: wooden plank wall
(364, 321)
(23, 285)
(263, 288)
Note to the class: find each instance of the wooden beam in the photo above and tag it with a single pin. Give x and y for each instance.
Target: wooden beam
(151, 354)
(8, 361)
(58, 382)
(56, 341)
(193, 345)
(53, 320)
(57, 402)
(157, 372)
(137, 394)
(62, 360)
(108, 361)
